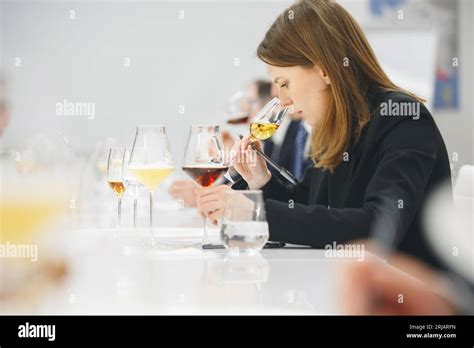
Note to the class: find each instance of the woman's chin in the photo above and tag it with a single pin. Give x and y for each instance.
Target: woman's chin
(309, 121)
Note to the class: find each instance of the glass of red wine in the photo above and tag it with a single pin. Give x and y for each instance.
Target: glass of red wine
(204, 159)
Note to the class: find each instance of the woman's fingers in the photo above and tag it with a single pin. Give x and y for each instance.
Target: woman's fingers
(244, 142)
(206, 191)
(215, 216)
(209, 207)
(211, 199)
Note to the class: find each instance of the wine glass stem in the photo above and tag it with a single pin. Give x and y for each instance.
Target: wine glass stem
(119, 212)
(151, 209)
(135, 213)
(206, 237)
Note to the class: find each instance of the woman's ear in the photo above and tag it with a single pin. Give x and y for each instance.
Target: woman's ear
(325, 76)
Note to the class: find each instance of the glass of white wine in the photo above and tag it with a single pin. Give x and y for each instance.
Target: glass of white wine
(150, 159)
(115, 164)
(267, 121)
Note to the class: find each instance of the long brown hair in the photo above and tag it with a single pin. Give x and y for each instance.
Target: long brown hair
(322, 32)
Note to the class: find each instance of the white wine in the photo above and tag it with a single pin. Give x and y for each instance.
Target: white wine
(262, 131)
(151, 177)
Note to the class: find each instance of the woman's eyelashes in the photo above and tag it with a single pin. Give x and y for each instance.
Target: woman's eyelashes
(284, 85)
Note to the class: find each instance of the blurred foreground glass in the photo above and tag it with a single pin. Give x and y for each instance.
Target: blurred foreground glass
(32, 203)
(244, 225)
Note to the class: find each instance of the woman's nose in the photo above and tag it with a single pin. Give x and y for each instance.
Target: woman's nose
(286, 101)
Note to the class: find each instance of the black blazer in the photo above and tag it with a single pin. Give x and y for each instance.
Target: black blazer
(385, 182)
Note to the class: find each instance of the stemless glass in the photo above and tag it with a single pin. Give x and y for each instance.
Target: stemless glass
(150, 159)
(244, 225)
(115, 163)
(204, 159)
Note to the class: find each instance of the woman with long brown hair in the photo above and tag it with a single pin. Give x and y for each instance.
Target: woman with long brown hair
(376, 149)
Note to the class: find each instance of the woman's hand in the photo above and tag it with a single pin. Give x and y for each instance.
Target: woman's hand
(250, 166)
(210, 201)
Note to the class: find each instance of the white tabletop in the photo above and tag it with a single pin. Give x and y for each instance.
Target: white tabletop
(114, 273)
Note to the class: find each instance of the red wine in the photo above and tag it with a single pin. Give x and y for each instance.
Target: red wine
(205, 175)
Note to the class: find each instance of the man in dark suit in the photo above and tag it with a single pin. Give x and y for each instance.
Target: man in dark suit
(289, 147)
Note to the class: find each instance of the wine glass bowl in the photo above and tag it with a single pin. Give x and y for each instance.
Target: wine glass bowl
(267, 121)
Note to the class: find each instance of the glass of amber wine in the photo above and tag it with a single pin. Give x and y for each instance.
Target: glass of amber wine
(267, 121)
(150, 159)
(204, 159)
(115, 163)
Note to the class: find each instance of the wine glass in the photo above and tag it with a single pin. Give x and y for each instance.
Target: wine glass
(150, 159)
(204, 159)
(239, 108)
(267, 121)
(115, 164)
(132, 185)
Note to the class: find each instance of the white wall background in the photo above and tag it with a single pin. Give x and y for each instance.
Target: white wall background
(173, 62)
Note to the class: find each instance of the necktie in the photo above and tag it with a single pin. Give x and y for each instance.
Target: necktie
(300, 142)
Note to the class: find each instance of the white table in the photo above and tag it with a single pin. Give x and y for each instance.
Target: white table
(113, 273)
